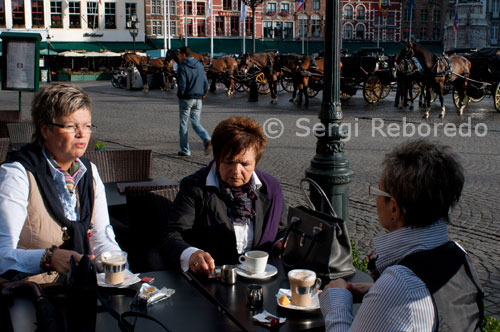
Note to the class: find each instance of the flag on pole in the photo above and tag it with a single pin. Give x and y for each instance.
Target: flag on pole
(300, 5)
(243, 14)
(409, 8)
(379, 6)
(209, 8)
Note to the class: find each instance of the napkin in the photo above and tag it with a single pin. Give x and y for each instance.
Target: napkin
(268, 319)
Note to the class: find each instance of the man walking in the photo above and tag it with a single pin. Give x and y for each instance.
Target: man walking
(192, 88)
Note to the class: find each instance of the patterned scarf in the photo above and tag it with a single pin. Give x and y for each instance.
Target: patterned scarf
(239, 201)
(69, 175)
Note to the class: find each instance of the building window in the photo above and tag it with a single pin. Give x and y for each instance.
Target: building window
(249, 24)
(436, 34)
(2, 13)
(173, 8)
(156, 7)
(287, 30)
(74, 15)
(347, 31)
(36, 13)
(234, 23)
(56, 14)
(436, 16)
(219, 25)
(156, 28)
(316, 4)
(302, 27)
(360, 12)
(348, 12)
(385, 3)
(390, 19)
(271, 8)
(173, 28)
(316, 27)
(189, 8)
(227, 4)
(423, 15)
(360, 31)
(130, 9)
(389, 36)
(422, 34)
(200, 8)
(268, 29)
(110, 15)
(200, 27)
(18, 13)
(494, 33)
(285, 7)
(190, 27)
(92, 15)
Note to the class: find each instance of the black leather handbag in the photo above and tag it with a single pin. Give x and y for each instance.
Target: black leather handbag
(317, 241)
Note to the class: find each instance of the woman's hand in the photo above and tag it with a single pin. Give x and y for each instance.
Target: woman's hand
(60, 260)
(201, 262)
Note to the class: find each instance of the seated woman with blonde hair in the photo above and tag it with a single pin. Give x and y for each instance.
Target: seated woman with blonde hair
(52, 201)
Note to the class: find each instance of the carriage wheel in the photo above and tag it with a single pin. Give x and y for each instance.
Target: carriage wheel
(416, 89)
(372, 89)
(385, 91)
(311, 93)
(477, 100)
(344, 96)
(240, 87)
(262, 84)
(456, 99)
(497, 97)
(287, 84)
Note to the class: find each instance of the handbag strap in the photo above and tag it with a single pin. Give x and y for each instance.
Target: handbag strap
(321, 192)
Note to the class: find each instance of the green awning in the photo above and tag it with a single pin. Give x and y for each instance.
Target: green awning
(98, 46)
(124, 46)
(221, 45)
(45, 51)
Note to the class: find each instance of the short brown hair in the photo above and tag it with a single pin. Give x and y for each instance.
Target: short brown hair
(235, 135)
(56, 100)
(425, 178)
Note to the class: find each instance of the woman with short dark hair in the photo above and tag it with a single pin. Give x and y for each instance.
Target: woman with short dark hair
(424, 281)
(52, 201)
(227, 207)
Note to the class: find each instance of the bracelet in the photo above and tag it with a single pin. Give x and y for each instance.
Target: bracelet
(45, 262)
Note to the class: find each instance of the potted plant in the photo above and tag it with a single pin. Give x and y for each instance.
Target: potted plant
(269, 13)
(284, 13)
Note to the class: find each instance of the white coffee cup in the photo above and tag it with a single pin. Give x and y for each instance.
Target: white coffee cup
(255, 261)
(114, 263)
(303, 284)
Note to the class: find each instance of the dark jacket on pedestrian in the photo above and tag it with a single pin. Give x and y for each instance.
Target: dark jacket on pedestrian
(192, 82)
(200, 219)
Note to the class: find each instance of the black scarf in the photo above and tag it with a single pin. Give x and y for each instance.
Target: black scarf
(239, 200)
(33, 160)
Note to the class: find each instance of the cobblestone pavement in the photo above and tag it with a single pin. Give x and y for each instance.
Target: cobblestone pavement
(131, 119)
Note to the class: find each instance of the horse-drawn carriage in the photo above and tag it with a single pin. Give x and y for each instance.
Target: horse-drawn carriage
(484, 79)
(370, 70)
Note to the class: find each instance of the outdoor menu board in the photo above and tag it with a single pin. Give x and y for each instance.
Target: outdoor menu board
(20, 61)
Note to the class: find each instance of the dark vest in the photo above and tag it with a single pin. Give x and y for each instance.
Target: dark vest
(452, 281)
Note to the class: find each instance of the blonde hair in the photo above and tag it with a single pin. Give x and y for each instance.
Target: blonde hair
(54, 101)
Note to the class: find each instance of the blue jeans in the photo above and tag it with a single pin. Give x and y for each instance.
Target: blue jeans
(190, 108)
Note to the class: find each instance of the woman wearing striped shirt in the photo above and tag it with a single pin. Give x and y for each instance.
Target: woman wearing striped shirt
(425, 282)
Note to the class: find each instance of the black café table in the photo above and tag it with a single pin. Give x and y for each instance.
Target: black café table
(232, 299)
(115, 191)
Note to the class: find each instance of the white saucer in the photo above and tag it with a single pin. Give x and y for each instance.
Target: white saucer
(283, 291)
(270, 271)
(129, 279)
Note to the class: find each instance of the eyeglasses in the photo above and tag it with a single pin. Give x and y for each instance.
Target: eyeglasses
(373, 190)
(88, 128)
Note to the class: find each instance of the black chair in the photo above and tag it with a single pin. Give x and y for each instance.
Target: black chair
(147, 208)
(4, 147)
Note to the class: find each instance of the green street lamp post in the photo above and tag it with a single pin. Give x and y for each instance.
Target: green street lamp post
(329, 167)
(253, 5)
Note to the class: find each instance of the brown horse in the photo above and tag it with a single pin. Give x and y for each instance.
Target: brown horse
(437, 71)
(223, 70)
(264, 62)
(146, 66)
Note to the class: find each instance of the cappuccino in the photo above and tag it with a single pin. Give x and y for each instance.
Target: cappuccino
(114, 266)
(302, 285)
